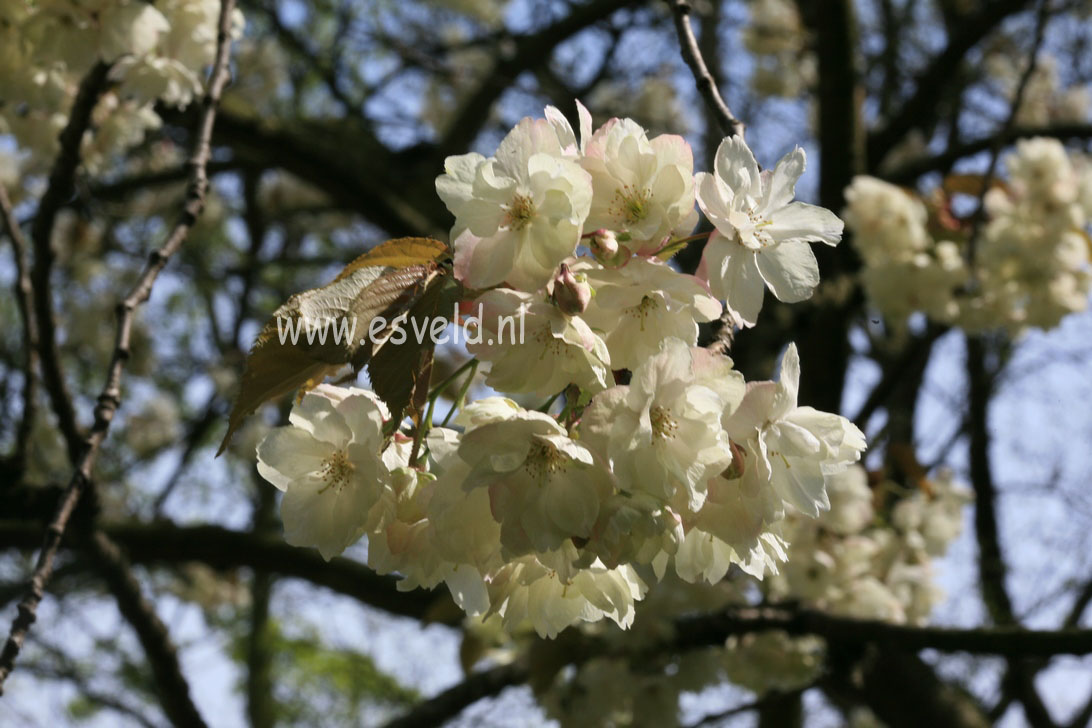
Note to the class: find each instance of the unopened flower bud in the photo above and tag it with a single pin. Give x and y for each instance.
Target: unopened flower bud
(571, 291)
(604, 244)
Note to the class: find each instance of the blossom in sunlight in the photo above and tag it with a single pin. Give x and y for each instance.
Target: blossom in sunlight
(544, 487)
(533, 346)
(702, 555)
(517, 214)
(661, 433)
(793, 448)
(641, 187)
(761, 234)
(643, 303)
(328, 462)
(528, 591)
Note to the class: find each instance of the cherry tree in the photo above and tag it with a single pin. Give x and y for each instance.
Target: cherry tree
(592, 348)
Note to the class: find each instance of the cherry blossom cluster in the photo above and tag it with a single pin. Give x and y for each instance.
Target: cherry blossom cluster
(662, 459)
(869, 556)
(157, 52)
(1027, 267)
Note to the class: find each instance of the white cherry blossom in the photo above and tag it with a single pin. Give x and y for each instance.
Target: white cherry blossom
(532, 346)
(328, 462)
(761, 234)
(661, 433)
(640, 186)
(642, 303)
(517, 214)
(793, 448)
(544, 488)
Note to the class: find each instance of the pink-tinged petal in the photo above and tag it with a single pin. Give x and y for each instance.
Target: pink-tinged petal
(464, 253)
(672, 149)
(790, 270)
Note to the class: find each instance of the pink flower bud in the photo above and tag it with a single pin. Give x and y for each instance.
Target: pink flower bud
(571, 292)
(604, 244)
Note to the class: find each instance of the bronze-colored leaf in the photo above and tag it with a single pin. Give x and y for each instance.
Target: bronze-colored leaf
(316, 332)
(400, 368)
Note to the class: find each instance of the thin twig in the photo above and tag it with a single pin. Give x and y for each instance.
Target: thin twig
(110, 398)
(24, 299)
(57, 194)
(170, 683)
(707, 85)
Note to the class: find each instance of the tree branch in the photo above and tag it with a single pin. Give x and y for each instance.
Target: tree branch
(24, 300)
(61, 182)
(165, 544)
(911, 171)
(530, 51)
(110, 398)
(714, 629)
(915, 111)
(707, 85)
(170, 683)
(445, 706)
(991, 564)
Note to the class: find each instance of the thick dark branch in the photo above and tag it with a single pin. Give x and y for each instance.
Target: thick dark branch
(918, 110)
(170, 683)
(770, 699)
(61, 182)
(110, 398)
(445, 706)
(707, 85)
(909, 172)
(24, 300)
(714, 629)
(165, 544)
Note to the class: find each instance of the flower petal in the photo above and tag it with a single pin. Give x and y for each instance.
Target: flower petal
(800, 222)
(790, 270)
(781, 183)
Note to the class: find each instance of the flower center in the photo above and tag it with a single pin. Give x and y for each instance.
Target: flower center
(749, 229)
(519, 212)
(544, 459)
(631, 205)
(336, 471)
(642, 310)
(664, 426)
